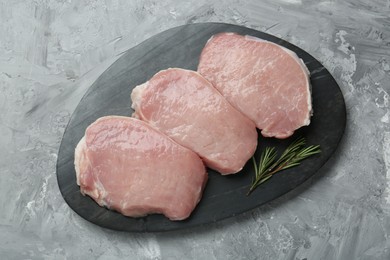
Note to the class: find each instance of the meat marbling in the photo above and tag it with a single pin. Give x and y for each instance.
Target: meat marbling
(128, 166)
(186, 107)
(265, 81)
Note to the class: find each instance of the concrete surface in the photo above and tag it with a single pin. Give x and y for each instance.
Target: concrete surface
(52, 51)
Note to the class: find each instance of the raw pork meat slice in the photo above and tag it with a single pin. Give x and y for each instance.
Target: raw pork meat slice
(186, 107)
(265, 81)
(128, 166)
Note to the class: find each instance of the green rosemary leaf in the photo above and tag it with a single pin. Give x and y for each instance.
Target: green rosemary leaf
(291, 165)
(255, 166)
(265, 178)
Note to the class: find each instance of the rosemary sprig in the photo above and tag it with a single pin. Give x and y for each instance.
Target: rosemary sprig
(292, 156)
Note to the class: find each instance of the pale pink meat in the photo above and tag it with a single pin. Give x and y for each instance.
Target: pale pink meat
(265, 81)
(128, 166)
(186, 107)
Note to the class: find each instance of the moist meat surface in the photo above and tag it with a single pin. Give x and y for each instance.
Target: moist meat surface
(266, 82)
(186, 107)
(128, 166)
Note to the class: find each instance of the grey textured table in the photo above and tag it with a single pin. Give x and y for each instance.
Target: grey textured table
(52, 51)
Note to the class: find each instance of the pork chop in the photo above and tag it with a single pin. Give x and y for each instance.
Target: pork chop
(187, 108)
(128, 166)
(265, 81)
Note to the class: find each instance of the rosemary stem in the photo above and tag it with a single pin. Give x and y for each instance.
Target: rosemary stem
(269, 164)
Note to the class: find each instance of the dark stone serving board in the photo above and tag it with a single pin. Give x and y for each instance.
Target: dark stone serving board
(224, 196)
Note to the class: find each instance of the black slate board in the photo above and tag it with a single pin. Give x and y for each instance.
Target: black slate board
(224, 196)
